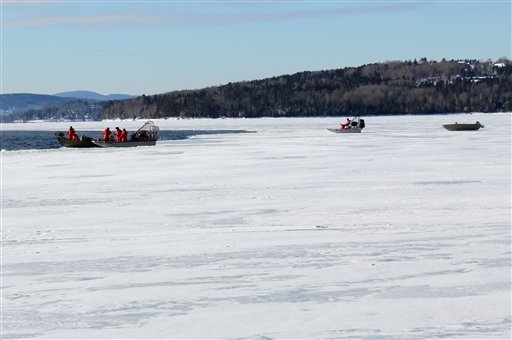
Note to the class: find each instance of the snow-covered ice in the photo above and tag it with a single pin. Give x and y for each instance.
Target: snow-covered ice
(400, 232)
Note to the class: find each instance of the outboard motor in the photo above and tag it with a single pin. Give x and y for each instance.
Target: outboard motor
(361, 123)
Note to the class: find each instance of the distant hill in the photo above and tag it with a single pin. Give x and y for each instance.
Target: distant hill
(21, 102)
(73, 110)
(392, 87)
(73, 105)
(93, 95)
(28, 106)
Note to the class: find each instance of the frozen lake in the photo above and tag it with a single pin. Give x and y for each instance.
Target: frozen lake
(400, 232)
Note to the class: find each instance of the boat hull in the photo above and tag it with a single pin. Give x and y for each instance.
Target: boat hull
(129, 144)
(351, 130)
(462, 127)
(76, 143)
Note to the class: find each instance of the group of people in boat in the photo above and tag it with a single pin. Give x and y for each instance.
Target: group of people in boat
(148, 134)
(121, 136)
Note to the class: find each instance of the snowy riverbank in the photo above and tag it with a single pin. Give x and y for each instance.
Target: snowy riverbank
(402, 231)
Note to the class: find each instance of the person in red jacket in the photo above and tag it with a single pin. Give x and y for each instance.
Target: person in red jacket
(70, 133)
(347, 123)
(124, 136)
(75, 138)
(106, 135)
(118, 134)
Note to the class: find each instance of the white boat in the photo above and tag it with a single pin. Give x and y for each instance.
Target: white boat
(346, 130)
(356, 126)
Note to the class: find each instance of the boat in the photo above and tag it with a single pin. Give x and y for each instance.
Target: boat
(82, 142)
(463, 127)
(356, 126)
(113, 144)
(147, 135)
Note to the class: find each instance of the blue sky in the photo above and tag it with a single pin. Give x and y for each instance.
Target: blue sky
(151, 47)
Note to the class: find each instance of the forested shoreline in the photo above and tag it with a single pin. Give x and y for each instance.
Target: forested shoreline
(392, 88)
(409, 87)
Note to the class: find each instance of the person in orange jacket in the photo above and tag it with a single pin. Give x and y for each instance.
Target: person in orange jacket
(118, 134)
(106, 135)
(124, 136)
(75, 138)
(70, 133)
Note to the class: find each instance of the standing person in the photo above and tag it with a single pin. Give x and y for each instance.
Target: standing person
(71, 133)
(106, 135)
(118, 134)
(124, 136)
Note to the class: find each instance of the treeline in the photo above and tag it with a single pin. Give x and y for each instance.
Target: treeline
(384, 88)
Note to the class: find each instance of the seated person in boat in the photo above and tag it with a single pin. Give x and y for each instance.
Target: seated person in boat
(347, 124)
(139, 136)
